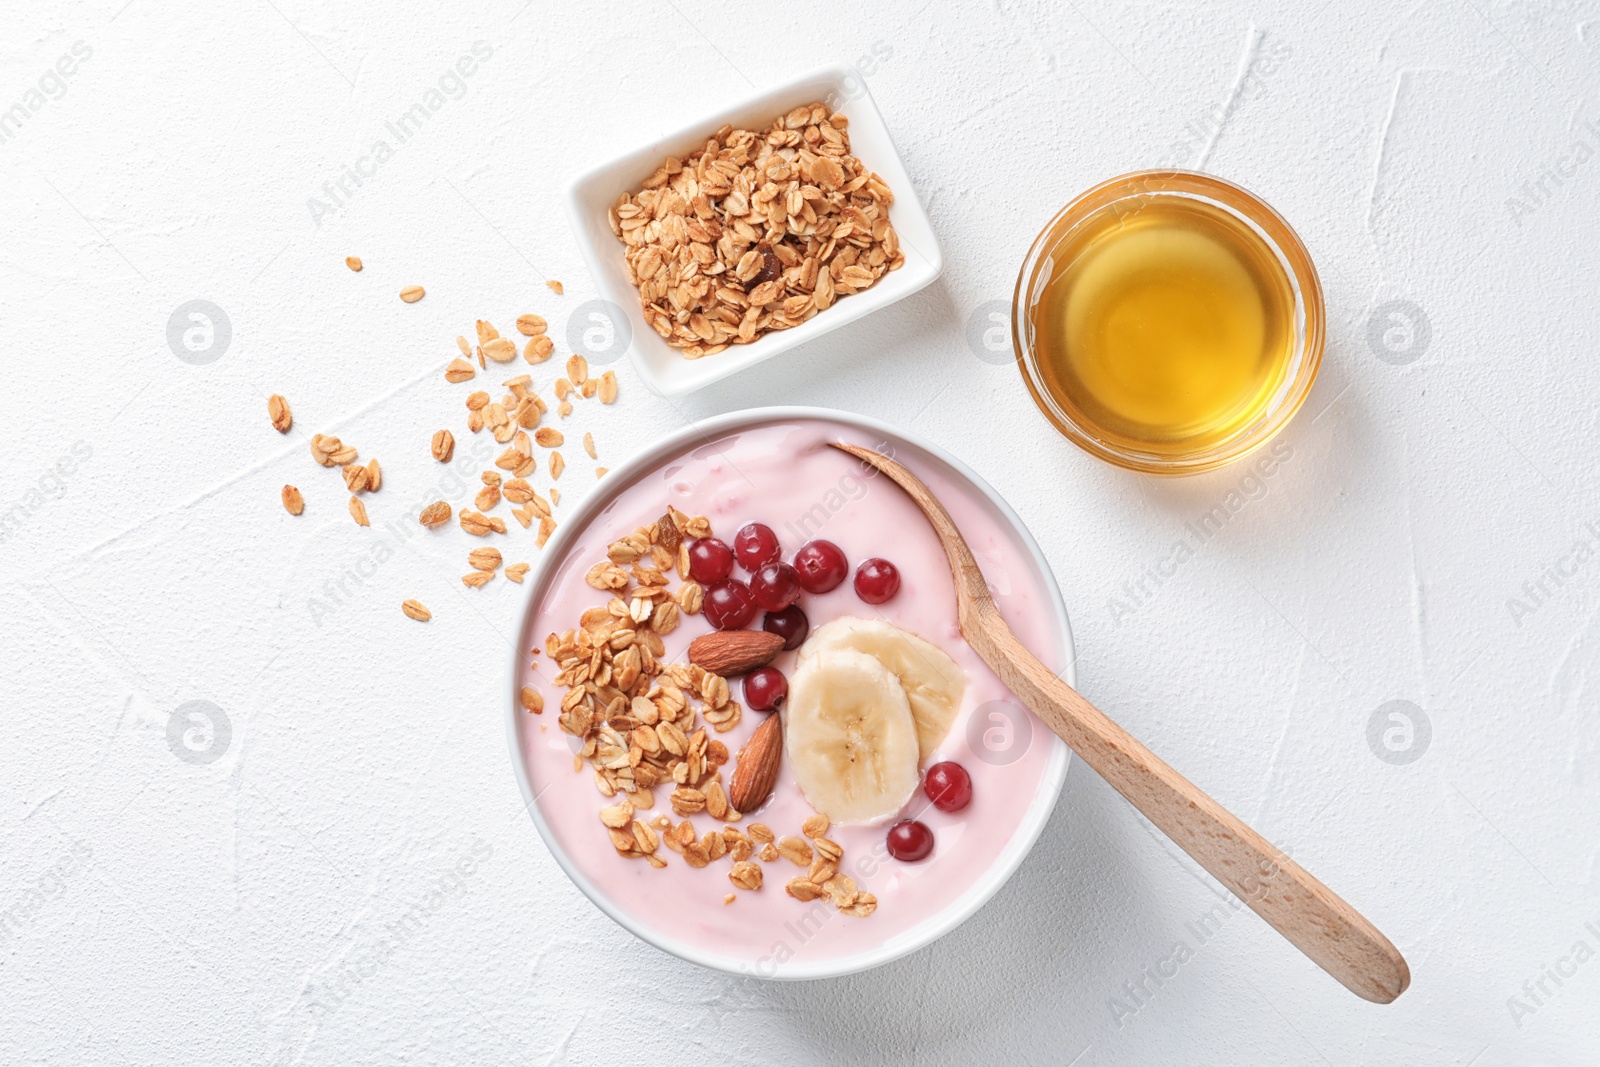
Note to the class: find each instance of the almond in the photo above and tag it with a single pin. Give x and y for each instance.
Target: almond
(757, 770)
(731, 652)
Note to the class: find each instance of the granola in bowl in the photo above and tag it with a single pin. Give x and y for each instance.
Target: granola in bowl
(756, 231)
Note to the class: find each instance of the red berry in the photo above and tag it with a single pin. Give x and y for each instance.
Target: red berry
(877, 581)
(729, 605)
(822, 566)
(790, 624)
(948, 785)
(709, 560)
(910, 841)
(755, 544)
(765, 688)
(775, 586)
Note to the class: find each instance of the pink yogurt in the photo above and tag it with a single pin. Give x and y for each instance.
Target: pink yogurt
(786, 476)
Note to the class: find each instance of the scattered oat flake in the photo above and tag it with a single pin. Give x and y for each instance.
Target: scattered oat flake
(355, 477)
(608, 387)
(588, 445)
(358, 511)
(412, 293)
(443, 446)
(577, 369)
(293, 502)
(278, 412)
(538, 349)
(416, 610)
(531, 325)
(557, 465)
(477, 579)
(461, 343)
(601, 472)
(730, 898)
(353, 262)
(556, 287)
(516, 572)
(435, 514)
(548, 437)
(532, 699)
(474, 523)
(459, 370)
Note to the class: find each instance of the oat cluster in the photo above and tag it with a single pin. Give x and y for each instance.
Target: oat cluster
(757, 231)
(645, 724)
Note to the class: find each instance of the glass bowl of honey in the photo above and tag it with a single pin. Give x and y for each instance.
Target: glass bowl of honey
(1168, 321)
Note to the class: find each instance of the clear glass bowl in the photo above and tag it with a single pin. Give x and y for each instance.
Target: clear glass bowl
(1126, 195)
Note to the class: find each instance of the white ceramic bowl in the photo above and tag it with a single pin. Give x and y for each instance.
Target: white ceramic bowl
(593, 193)
(917, 454)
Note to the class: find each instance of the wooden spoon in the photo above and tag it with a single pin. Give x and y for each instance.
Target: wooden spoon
(1314, 918)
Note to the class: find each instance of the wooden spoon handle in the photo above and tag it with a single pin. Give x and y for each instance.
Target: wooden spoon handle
(1314, 918)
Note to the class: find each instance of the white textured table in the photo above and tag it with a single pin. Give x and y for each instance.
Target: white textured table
(283, 893)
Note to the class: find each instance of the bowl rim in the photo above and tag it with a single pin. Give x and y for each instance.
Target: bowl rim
(1029, 827)
(713, 369)
(1282, 238)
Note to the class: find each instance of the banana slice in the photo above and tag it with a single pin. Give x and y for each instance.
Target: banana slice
(849, 737)
(932, 680)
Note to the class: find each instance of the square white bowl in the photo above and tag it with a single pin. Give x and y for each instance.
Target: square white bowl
(594, 192)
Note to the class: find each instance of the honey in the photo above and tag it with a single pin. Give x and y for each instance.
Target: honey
(1165, 329)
